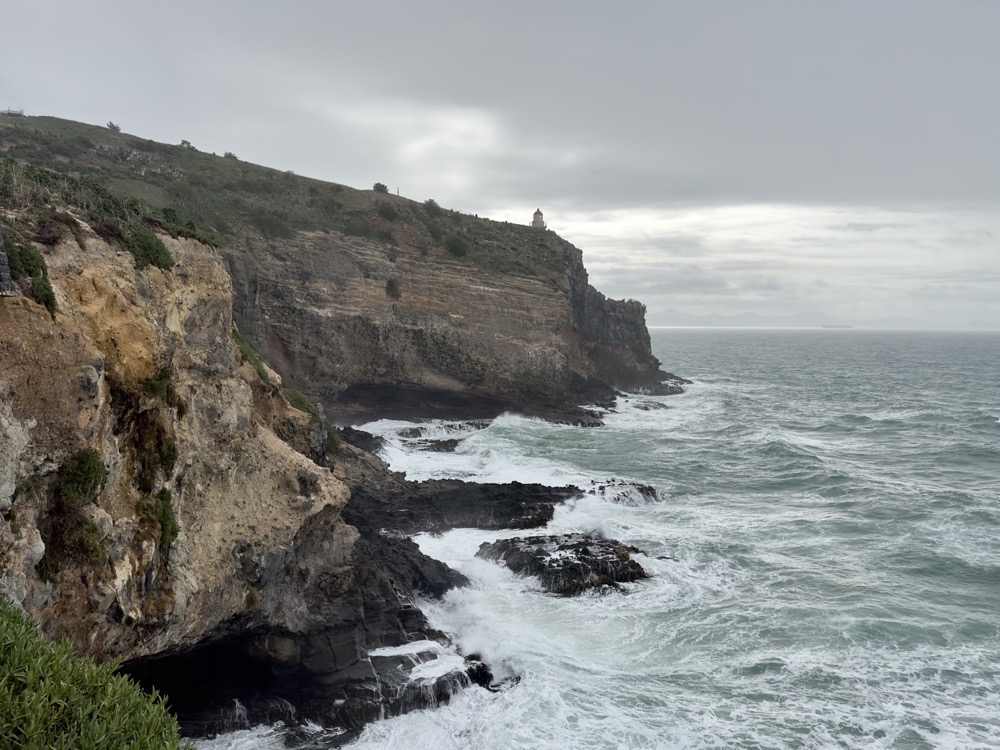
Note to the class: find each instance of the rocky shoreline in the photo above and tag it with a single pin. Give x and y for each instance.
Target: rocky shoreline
(268, 669)
(170, 501)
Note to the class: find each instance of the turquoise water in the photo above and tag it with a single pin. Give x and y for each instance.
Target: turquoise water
(825, 556)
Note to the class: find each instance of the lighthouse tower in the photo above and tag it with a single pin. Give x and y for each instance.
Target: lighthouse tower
(537, 220)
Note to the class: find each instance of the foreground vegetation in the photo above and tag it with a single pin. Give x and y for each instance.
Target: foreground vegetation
(53, 700)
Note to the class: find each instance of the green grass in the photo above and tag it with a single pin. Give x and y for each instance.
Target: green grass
(227, 197)
(51, 699)
(250, 354)
(300, 401)
(35, 189)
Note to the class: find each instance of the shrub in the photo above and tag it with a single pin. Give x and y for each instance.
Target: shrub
(80, 478)
(271, 225)
(25, 261)
(114, 126)
(379, 187)
(392, 288)
(456, 246)
(41, 291)
(157, 385)
(432, 208)
(358, 227)
(333, 438)
(50, 698)
(387, 211)
(436, 233)
(148, 249)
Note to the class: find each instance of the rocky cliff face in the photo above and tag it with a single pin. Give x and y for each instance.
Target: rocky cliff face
(371, 326)
(141, 368)
(198, 543)
(160, 503)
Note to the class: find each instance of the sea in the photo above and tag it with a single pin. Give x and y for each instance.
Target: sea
(824, 556)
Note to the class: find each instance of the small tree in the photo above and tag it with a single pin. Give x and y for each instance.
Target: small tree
(187, 144)
(380, 188)
(456, 246)
(432, 208)
(114, 126)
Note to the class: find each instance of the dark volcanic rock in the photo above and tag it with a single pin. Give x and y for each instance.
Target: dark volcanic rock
(448, 445)
(624, 492)
(567, 564)
(361, 439)
(442, 504)
(312, 642)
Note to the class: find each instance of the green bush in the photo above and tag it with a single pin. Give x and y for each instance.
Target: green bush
(436, 233)
(456, 246)
(80, 479)
(158, 385)
(380, 188)
(51, 699)
(148, 249)
(41, 291)
(271, 225)
(357, 227)
(25, 261)
(387, 211)
(392, 288)
(432, 208)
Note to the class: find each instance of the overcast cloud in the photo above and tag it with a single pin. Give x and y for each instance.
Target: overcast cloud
(707, 156)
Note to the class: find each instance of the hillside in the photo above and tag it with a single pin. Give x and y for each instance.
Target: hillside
(369, 302)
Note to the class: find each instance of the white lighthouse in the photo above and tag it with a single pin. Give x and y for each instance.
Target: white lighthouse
(537, 220)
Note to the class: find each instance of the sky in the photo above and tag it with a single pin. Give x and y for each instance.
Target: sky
(712, 157)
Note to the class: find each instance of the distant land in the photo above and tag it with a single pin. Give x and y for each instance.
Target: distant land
(810, 319)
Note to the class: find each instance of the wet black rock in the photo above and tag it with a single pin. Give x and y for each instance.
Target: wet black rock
(361, 439)
(624, 492)
(448, 445)
(438, 505)
(567, 564)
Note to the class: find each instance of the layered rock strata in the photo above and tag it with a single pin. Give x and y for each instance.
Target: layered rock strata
(454, 339)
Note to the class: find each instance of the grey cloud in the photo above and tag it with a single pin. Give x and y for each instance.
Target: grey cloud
(582, 107)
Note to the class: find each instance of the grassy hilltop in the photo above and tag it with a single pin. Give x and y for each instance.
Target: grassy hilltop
(223, 198)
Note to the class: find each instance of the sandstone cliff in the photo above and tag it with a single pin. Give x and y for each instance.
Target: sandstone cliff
(81, 380)
(395, 325)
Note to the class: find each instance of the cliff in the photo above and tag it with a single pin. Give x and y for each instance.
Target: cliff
(397, 326)
(160, 500)
(372, 303)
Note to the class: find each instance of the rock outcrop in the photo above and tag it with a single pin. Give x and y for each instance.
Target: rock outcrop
(455, 338)
(567, 564)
